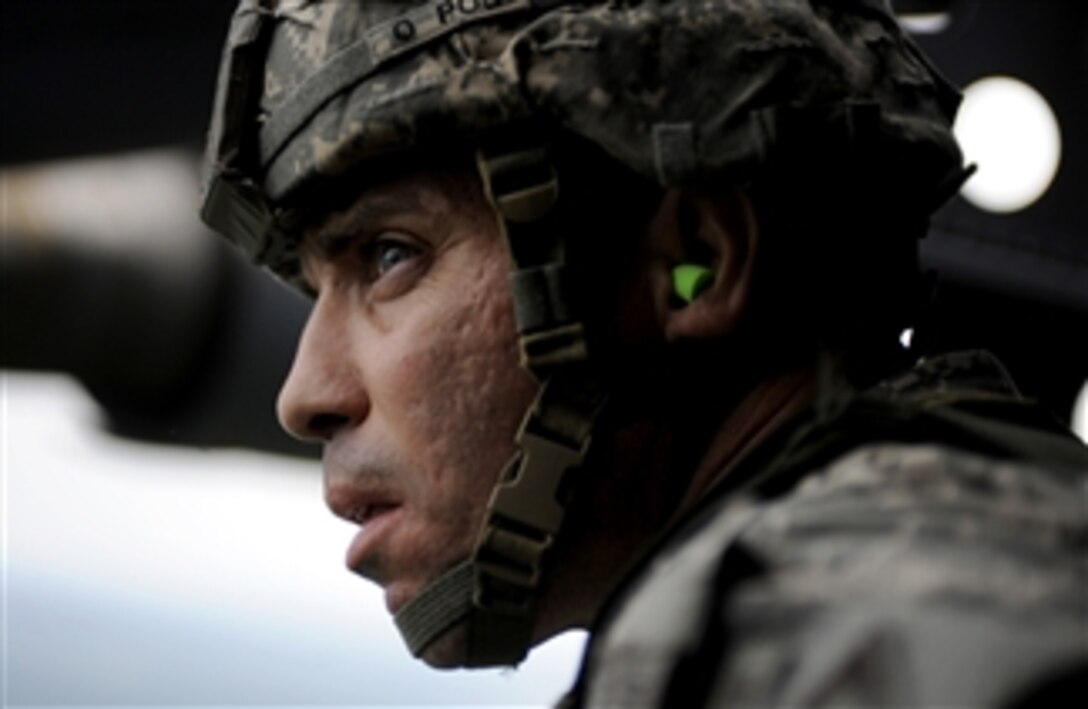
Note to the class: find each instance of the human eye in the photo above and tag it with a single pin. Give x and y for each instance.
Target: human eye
(385, 253)
(391, 261)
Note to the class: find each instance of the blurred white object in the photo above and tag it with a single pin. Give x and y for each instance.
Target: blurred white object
(1008, 129)
(1080, 414)
(926, 22)
(118, 201)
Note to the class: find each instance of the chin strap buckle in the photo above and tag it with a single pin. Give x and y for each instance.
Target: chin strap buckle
(526, 512)
(524, 516)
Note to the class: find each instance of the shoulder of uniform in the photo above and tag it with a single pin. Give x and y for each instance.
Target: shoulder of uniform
(928, 521)
(897, 573)
(914, 574)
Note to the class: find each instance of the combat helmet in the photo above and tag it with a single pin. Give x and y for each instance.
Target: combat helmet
(311, 93)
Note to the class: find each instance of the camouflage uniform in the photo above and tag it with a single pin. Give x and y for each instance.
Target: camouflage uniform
(921, 544)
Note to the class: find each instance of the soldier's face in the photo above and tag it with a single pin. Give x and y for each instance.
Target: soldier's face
(407, 372)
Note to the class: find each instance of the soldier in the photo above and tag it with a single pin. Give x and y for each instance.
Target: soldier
(605, 333)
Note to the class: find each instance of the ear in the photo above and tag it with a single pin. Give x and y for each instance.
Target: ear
(718, 231)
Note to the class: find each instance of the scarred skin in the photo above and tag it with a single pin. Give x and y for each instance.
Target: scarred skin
(408, 373)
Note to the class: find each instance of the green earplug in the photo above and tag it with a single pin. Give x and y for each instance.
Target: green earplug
(689, 280)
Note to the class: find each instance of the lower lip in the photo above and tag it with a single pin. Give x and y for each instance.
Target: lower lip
(370, 536)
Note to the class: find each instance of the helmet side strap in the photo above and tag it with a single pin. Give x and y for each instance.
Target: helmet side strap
(528, 505)
(497, 589)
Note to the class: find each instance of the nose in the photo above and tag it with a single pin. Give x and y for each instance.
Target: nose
(323, 393)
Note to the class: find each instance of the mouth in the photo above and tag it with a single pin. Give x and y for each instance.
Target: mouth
(376, 523)
(365, 514)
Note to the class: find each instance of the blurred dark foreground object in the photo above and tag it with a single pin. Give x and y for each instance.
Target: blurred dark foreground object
(106, 275)
(187, 356)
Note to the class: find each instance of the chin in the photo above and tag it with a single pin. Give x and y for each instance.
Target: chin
(449, 652)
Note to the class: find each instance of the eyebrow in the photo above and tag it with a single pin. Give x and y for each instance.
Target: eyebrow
(337, 234)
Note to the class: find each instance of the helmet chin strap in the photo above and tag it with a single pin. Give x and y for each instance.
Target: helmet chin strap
(441, 605)
(497, 589)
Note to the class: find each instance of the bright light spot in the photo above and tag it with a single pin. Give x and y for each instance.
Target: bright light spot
(926, 23)
(1080, 414)
(1010, 131)
(906, 337)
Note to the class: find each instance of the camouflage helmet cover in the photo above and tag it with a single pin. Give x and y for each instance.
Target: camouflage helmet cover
(676, 90)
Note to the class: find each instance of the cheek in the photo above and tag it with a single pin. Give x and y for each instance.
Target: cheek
(480, 390)
(467, 390)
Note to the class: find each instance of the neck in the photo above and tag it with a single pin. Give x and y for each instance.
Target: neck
(759, 413)
(618, 517)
